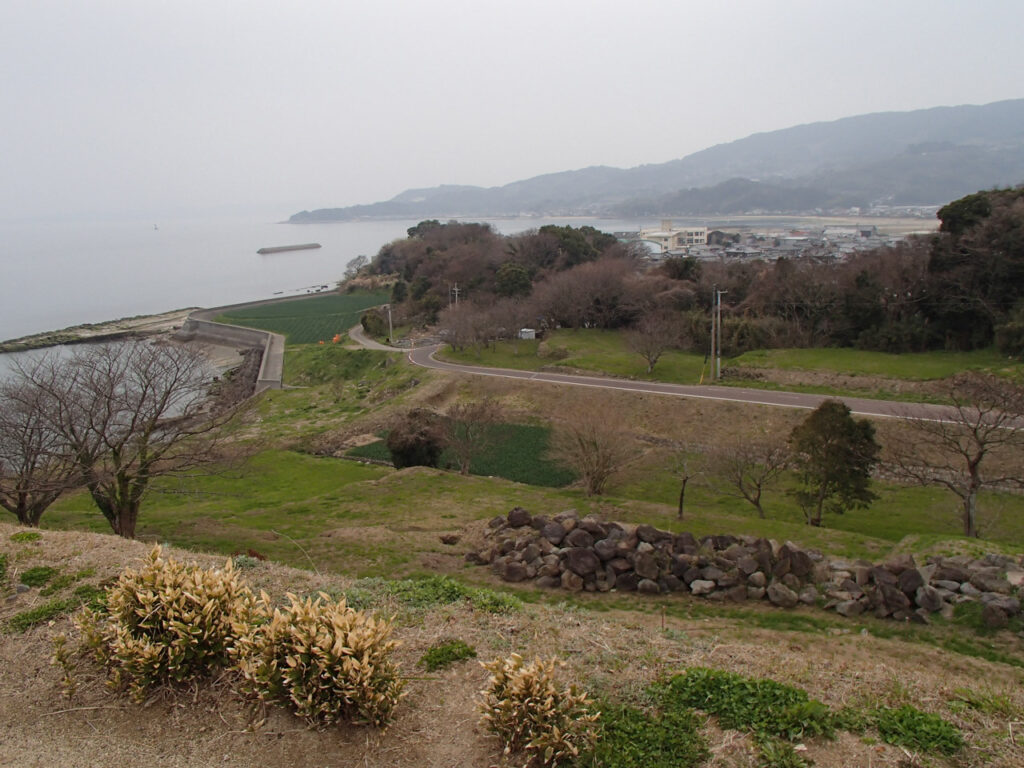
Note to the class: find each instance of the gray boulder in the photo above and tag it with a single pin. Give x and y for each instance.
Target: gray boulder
(850, 608)
(648, 587)
(518, 517)
(781, 595)
(553, 532)
(581, 561)
(646, 566)
(702, 587)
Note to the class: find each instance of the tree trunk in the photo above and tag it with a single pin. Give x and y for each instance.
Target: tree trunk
(760, 509)
(971, 513)
(682, 496)
(125, 517)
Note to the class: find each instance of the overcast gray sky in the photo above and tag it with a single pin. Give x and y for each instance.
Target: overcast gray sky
(146, 107)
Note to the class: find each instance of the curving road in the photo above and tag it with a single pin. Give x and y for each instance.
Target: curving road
(424, 357)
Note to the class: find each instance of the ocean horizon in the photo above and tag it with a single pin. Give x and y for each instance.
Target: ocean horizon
(62, 273)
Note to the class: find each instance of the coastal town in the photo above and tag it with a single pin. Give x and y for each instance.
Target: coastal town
(768, 243)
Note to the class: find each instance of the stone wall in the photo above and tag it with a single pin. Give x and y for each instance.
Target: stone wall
(588, 554)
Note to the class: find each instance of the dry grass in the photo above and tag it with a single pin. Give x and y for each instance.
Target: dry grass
(613, 654)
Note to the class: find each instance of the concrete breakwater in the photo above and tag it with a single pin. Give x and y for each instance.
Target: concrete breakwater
(286, 248)
(200, 326)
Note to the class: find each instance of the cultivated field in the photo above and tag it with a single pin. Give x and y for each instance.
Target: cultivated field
(310, 320)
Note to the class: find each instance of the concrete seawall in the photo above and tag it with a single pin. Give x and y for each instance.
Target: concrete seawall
(200, 326)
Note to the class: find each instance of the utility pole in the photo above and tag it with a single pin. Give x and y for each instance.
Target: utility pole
(391, 333)
(454, 291)
(718, 325)
(714, 293)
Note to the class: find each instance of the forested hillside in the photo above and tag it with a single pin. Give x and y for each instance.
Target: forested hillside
(959, 289)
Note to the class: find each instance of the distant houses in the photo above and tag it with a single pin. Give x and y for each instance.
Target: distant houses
(669, 241)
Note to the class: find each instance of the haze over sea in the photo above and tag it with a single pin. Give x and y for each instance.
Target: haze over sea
(62, 273)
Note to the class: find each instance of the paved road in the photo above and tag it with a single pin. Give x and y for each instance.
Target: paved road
(424, 357)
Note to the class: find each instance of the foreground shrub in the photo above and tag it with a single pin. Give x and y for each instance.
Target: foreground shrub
(532, 716)
(326, 661)
(166, 623)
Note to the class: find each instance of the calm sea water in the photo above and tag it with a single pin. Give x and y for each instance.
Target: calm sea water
(61, 273)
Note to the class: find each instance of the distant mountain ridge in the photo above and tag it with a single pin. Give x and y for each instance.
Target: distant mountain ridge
(923, 157)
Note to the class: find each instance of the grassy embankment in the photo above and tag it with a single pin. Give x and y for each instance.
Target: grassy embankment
(371, 520)
(605, 352)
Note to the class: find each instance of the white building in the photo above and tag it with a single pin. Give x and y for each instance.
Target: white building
(671, 238)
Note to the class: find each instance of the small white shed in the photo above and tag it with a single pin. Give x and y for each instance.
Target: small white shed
(527, 333)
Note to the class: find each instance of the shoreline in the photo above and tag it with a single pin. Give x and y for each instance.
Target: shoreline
(137, 326)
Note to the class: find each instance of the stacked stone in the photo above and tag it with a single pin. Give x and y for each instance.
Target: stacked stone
(903, 590)
(588, 554)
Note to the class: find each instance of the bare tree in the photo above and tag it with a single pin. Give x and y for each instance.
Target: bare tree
(128, 414)
(35, 465)
(593, 442)
(983, 427)
(747, 469)
(686, 468)
(654, 334)
(467, 325)
(467, 431)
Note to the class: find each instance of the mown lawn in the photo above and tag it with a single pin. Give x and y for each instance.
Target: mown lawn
(309, 320)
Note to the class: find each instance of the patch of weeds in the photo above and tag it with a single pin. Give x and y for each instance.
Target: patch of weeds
(37, 576)
(631, 737)
(23, 537)
(986, 703)
(65, 580)
(853, 719)
(986, 651)
(245, 562)
(491, 601)
(3, 566)
(426, 593)
(20, 622)
(443, 655)
(765, 707)
(969, 614)
(776, 753)
(908, 726)
(92, 597)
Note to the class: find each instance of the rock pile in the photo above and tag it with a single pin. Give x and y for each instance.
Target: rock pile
(589, 554)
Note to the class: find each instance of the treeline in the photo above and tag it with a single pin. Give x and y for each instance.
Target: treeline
(961, 288)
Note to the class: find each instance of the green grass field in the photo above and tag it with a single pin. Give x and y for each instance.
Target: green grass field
(310, 320)
(587, 349)
(923, 366)
(605, 352)
(514, 452)
(369, 520)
